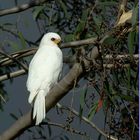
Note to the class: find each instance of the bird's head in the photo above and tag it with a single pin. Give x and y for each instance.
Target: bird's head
(51, 38)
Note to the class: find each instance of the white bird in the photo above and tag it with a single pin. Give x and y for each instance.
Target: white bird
(44, 72)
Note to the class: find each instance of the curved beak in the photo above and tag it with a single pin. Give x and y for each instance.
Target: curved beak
(57, 41)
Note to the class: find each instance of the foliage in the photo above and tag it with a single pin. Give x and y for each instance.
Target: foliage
(111, 89)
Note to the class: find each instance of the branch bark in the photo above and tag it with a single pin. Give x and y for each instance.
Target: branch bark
(86, 120)
(21, 8)
(66, 128)
(53, 97)
(107, 65)
(57, 93)
(12, 75)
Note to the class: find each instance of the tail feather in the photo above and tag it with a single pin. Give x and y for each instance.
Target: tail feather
(39, 107)
(32, 96)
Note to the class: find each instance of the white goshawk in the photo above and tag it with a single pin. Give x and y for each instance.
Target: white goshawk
(44, 72)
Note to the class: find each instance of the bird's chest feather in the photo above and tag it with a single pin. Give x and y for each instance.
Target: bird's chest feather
(46, 66)
(47, 57)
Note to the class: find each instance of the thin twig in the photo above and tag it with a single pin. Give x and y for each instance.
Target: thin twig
(55, 95)
(22, 71)
(124, 56)
(63, 126)
(87, 121)
(79, 43)
(14, 59)
(17, 55)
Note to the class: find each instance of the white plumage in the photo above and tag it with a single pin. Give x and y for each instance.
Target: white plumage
(44, 71)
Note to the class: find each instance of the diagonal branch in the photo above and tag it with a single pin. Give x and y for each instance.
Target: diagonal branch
(21, 8)
(78, 43)
(53, 97)
(57, 93)
(22, 71)
(66, 128)
(14, 59)
(86, 120)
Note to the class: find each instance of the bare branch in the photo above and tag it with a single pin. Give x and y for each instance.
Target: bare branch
(31, 51)
(52, 98)
(124, 56)
(12, 75)
(66, 128)
(79, 43)
(17, 55)
(86, 120)
(22, 71)
(57, 93)
(14, 59)
(28, 52)
(21, 8)
(108, 66)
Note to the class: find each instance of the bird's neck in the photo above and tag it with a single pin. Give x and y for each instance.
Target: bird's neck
(48, 44)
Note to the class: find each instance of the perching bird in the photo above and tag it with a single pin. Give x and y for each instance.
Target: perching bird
(44, 72)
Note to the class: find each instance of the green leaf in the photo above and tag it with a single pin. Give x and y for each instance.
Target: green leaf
(63, 6)
(92, 111)
(22, 40)
(128, 77)
(97, 20)
(131, 37)
(80, 27)
(69, 37)
(85, 15)
(82, 100)
(110, 3)
(14, 45)
(134, 18)
(36, 11)
(127, 97)
(109, 41)
(109, 91)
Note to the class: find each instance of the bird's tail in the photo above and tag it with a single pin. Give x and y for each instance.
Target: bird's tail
(39, 107)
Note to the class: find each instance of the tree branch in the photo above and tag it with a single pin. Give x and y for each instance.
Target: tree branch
(53, 97)
(12, 75)
(108, 66)
(17, 55)
(28, 52)
(57, 93)
(15, 60)
(79, 43)
(66, 128)
(21, 8)
(86, 120)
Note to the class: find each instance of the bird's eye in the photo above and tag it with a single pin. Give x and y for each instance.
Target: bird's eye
(53, 39)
